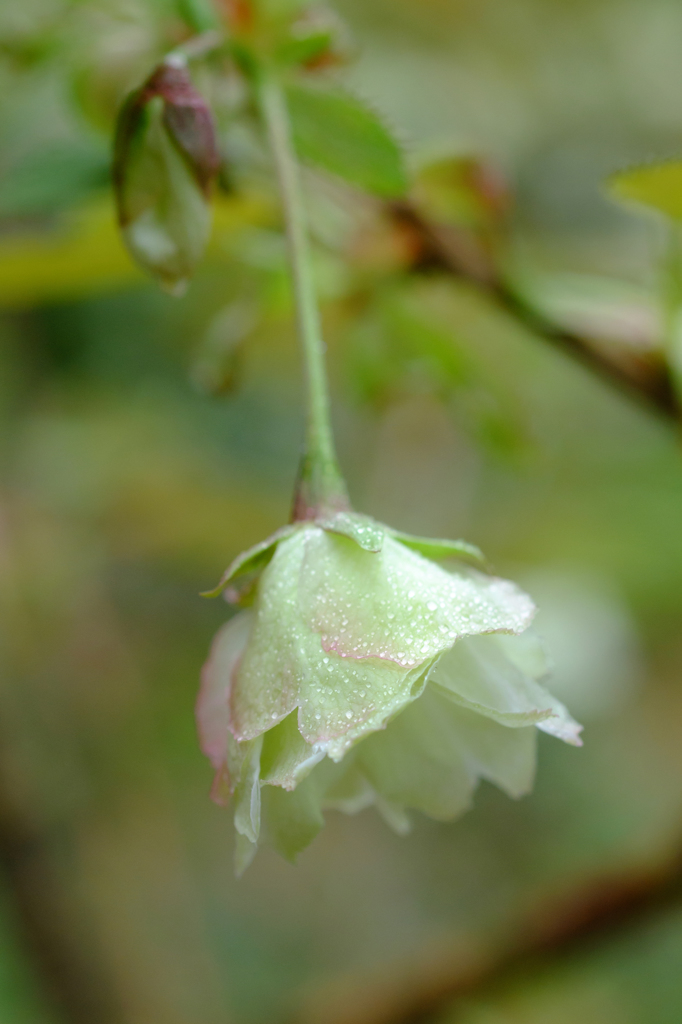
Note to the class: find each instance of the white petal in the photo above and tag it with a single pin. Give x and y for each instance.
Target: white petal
(415, 761)
(492, 751)
(477, 674)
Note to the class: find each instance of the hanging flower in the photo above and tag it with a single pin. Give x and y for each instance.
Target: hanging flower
(361, 672)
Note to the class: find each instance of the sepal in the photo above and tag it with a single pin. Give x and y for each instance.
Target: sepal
(365, 531)
(442, 549)
(253, 560)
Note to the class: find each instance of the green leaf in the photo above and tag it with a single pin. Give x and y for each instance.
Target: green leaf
(339, 133)
(437, 549)
(657, 185)
(462, 191)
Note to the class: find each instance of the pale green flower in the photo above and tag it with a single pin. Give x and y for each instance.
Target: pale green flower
(364, 673)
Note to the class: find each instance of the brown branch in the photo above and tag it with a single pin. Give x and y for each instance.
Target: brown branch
(581, 920)
(601, 912)
(642, 376)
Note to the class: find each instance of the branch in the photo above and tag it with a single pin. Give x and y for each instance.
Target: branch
(579, 921)
(642, 376)
(601, 912)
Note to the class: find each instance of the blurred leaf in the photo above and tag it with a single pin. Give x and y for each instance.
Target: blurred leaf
(199, 14)
(306, 49)
(215, 367)
(50, 179)
(594, 306)
(396, 342)
(403, 347)
(657, 185)
(338, 132)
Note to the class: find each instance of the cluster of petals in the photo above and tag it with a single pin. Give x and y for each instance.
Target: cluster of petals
(361, 672)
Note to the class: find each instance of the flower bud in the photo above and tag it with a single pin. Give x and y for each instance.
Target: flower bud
(165, 160)
(364, 673)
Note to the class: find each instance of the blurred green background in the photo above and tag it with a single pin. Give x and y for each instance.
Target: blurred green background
(127, 487)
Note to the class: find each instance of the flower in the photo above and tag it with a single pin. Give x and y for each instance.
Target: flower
(361, 672)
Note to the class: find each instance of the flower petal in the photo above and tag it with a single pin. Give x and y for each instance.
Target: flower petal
(365, 531)
(287, 759)
(343, 700)
(266, 685)
(343, 786)
(247, 789)
(492, 751)
(292, 819)
(396, 605)
(285, 665)
(528, 652)
(212, 711)
(415, 761)
(244, 852)
(477, 674)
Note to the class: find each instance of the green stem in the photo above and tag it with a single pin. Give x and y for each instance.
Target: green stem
(672, 301)
(321, 488)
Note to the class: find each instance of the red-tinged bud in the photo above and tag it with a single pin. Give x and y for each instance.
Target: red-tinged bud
(165, 160)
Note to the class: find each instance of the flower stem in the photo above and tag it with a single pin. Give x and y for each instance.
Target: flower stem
(672, 303)
(320, 487)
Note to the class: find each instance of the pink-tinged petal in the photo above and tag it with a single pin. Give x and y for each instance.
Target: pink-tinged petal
(343, 700)
(212, 707)
(221, 789)
(397, 606)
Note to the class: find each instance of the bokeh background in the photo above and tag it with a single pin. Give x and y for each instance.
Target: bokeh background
(138, 459)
